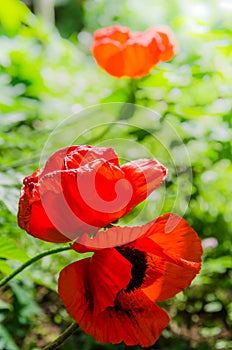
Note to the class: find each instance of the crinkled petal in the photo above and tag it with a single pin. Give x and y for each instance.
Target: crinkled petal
(141, 320)
(164, 279)
(56, 160)
(85, 154)
(109, 272)
(116, 33)
(141, 323)
(141, 53)
(106, 273)
(145, 175)
(133, 319)
(176, 237)
(83, 200)
(113, 237)
(75, 156)
(174, 254)
(31, 214)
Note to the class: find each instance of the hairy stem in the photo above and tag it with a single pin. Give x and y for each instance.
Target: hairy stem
(31, 261)
(58, 341)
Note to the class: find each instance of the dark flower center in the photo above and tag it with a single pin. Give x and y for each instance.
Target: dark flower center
(139, 266)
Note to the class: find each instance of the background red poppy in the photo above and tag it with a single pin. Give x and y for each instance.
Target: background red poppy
(122, 53)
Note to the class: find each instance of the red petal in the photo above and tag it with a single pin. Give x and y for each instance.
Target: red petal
(97, 193)
(141, 53)
(168, 45)
(176, 237)
(141, 320)
(145, 175)
(75, 156)
(122, 53)
(113, 237)
(31, 214)
(83, 155)
(73, 290)
(41, 227)
(85, 199)
(174, 252)
(137, 61)
(134, 319)
(108, 56)
(50, 218)
(117, 33)
(165, 279)
(56, 160)
(109, 272)
(106, 49)
(106, 274)
(115, 65)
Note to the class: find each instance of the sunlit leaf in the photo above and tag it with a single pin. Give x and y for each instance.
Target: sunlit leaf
(10, 250)
(12, 14)
(5, 268)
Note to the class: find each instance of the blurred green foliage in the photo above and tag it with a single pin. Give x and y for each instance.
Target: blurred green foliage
(44, 79)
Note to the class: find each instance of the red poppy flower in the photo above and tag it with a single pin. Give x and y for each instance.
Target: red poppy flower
(111, 295)
(82, 189)
(122, 53)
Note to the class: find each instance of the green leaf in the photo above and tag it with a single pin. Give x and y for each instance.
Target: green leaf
(5, 268)
(9, 250)
(9, 196)
(4, 305)
(6, 341)
(26, 303)
(12, 14)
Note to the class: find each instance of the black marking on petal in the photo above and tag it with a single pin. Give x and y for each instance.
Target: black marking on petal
(131, 310)
(139, 266)
(88, 295)
(122, 310)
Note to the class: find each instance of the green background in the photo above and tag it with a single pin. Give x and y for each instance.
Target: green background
(46, 75)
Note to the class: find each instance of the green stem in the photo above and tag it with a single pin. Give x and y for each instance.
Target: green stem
(31, 261)
(126, 112)
(58, 341)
